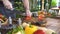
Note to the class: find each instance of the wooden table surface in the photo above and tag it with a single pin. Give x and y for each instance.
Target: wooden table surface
(53, 24)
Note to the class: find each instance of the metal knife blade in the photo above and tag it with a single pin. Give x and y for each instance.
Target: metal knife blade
(17, 12)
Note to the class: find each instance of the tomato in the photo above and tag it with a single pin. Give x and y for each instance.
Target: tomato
(39, 32)
(41, 17)
(1, 15)
(27, 18)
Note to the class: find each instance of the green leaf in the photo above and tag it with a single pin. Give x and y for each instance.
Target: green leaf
(10, 32)
(53, 3)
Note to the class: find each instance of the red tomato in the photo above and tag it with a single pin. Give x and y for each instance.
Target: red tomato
(39, 32)
(1, 15)
(40, 18)
(27, 18)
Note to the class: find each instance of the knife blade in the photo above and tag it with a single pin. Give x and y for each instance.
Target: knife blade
(17, 12)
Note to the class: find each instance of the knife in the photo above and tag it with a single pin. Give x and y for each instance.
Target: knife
(17, 12)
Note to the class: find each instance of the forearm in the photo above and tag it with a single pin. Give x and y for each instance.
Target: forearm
(26, 4)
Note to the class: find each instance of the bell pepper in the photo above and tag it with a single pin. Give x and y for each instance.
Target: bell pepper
(30, 29)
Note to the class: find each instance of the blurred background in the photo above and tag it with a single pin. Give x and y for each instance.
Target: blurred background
(36, 5)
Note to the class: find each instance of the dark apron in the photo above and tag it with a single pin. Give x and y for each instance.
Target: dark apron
(6, 12)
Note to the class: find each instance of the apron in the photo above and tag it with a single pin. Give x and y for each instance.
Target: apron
(6, 12)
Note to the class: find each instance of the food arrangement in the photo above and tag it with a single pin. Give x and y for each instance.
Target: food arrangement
(30, 25)
(46, 14)
(31, 29)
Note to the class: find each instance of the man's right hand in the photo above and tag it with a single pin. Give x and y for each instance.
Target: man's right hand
(8, 4)
(28, 13)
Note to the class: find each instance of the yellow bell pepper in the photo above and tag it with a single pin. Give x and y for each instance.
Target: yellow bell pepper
(30, 29)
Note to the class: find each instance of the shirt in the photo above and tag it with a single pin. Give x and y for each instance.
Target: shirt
(6, 12)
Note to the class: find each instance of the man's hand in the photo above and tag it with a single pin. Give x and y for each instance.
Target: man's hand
(26, 5)
(7, 4)
(28, 13)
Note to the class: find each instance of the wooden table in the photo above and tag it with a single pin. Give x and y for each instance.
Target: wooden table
(53, 24)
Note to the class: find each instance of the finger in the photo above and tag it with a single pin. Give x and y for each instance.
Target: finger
(9, 7)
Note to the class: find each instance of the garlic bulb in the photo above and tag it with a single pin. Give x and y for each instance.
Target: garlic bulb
(18, 32)
(25, 24)
(49, 31)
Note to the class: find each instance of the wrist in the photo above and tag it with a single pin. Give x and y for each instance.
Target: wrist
(27, 9)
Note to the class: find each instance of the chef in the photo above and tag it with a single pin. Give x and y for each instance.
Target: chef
(7, 4)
